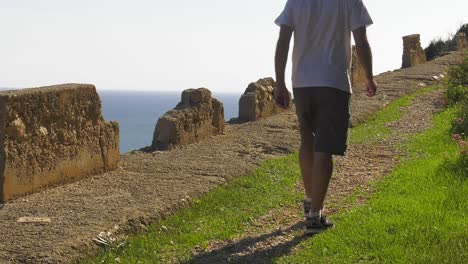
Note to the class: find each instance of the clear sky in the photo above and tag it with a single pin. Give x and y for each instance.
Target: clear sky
(174, 45)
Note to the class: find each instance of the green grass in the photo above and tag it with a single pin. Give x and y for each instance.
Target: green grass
(375, 129)
(228, 211)
(221, 214)
(417, 216)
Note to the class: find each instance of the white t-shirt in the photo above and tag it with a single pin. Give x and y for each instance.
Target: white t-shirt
(322, 40)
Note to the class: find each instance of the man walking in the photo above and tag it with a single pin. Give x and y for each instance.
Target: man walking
(321, 69)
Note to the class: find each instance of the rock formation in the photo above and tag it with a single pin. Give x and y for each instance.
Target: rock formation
(53, 134)
(460, 41)
(358, 75)
(197, 116)
(258, 101)
(413, 53)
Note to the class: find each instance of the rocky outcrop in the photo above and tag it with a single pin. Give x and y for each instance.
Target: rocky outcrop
(358, 75)
(460, 41)
(413, 53)
(53, 134)
(258, 101)
(197, 116)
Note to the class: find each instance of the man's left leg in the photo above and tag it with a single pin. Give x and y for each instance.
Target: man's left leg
(322, 169)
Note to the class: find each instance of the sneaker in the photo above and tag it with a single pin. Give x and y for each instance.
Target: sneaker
(326, 222)
(316, 225)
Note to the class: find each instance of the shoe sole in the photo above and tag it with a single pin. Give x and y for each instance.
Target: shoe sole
(315, 231)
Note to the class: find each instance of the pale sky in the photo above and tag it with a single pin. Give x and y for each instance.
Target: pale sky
(174, 45)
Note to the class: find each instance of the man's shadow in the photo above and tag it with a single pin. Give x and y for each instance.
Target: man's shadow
(230, 253)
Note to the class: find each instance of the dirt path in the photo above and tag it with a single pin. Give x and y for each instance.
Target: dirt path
(277, 233)
(151, 185)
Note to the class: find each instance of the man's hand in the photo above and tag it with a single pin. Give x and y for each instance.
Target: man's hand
(282, 96)
(371, 87)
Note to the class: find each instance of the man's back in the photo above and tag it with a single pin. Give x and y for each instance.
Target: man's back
(322, 37)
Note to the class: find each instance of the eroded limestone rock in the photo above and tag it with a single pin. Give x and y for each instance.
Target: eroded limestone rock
(460, 41)
(53, 134)
(258, 101)
(358, 75)
(16, 130)
(197, 116)
(413, 53)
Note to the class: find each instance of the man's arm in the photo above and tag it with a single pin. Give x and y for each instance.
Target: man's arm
(364, 53)
(281, 58)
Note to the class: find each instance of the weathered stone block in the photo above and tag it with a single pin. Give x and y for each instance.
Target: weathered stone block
(197, 116)
(51, 135)
(358, 74)
(413, 53)
(258, 101)
(460, 41)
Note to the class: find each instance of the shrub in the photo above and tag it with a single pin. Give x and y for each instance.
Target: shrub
(463, 29)
(457, 94)
(457, 83)
(460, 124)
(438, 47)
(459, 75)
(460, 140)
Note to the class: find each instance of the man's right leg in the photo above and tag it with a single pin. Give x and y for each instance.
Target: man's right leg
(316, 169)
(322, 169)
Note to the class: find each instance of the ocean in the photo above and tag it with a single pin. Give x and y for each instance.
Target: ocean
(138, 112)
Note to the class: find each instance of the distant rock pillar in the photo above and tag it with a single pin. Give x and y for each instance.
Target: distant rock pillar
(460, 40)
(258, 101)
(358, 75)
(413, 53)
(197, 116)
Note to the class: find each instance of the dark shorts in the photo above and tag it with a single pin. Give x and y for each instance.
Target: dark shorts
(323, 115)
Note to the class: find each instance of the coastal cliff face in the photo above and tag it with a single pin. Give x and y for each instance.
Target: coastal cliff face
(413, 53)
(258, 101)
(53, 134)
(196, 117)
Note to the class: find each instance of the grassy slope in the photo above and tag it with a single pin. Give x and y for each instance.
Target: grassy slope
(226, 212)
(417, 216)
